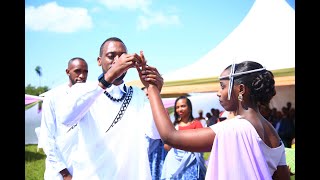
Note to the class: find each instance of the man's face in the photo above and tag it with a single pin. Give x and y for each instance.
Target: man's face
(77, 71)
(111, 50)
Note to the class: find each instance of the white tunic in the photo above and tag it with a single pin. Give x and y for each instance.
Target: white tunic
(54, 137)
(120, 153)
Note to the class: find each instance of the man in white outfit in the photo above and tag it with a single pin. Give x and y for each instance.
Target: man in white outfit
(56, 139)
(113, 119)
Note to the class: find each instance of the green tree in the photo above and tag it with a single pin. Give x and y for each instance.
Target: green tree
(36, 91)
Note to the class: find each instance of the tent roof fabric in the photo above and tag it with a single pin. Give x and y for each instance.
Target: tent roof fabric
(31, 99)
(265, 35)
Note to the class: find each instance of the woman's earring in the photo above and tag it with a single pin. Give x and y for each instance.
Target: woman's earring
(179, 119)
(240, 97)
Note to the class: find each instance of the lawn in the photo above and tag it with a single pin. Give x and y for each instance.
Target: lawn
(34, 163)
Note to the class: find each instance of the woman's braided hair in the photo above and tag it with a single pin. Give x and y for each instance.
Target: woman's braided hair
(261, 83)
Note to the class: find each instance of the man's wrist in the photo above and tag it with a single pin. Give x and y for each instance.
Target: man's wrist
(105, 83)
(64, 172)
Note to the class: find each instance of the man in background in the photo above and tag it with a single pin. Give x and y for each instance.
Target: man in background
(56, 139)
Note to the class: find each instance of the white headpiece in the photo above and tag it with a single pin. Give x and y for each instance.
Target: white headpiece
(232, 75)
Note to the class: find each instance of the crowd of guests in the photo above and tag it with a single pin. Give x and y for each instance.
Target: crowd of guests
(283, 120)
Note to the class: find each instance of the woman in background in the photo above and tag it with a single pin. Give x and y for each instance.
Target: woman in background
(180, 164)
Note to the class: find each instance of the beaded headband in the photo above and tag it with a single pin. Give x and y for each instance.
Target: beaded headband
(232, 75)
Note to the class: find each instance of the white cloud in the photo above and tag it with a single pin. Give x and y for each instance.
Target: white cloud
(144, 22)
(54, 18)
(128, 4)
(149, 17)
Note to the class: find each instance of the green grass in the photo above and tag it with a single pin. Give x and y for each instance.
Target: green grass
(34, 163)
(206, 155)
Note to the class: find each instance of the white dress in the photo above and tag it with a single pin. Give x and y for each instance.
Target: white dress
(239, 153)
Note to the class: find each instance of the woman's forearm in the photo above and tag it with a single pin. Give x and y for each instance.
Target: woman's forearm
(160, 115)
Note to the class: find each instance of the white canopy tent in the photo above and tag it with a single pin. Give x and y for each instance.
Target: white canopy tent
(265, 35)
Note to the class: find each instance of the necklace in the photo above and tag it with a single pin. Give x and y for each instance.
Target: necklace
(115, 99)
(123, 108)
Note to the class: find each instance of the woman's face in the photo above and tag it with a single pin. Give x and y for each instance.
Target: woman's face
(229, 105)
(182, 108)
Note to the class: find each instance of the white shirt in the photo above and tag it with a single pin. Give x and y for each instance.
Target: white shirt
(53, 138)
(120, 153)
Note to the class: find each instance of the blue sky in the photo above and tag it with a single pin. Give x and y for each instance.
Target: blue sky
(172, 33)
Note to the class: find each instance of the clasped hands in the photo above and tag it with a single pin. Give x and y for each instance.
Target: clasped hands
(148, 74)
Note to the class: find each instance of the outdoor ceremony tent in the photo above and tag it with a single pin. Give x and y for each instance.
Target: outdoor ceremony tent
(265, 35)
